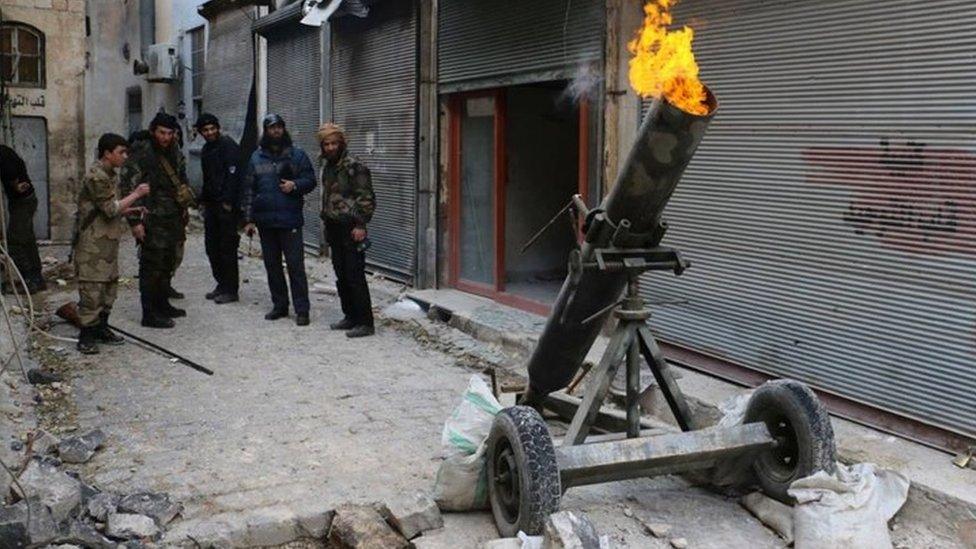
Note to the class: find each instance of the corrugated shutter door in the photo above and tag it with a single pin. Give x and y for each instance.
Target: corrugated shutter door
(829, 213)
(374, 67)
(516, 41)
(229, 70)
(294, 69)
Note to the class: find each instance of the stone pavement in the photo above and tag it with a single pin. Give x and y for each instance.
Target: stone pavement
(299, 420)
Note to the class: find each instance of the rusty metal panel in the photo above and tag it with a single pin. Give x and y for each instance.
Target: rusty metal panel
(294, 69)
(374, 90)
(829, 213)
(486, 44)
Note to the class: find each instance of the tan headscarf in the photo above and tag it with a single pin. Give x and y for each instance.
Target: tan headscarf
(328, 129)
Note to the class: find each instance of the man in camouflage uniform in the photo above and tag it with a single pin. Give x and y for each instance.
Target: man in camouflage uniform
(348, 205)
(96, 248)
(161, 230)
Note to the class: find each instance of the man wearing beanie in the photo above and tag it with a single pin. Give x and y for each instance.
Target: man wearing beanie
(161, 229)
(278, 177)
(347, 207)
(220, 200)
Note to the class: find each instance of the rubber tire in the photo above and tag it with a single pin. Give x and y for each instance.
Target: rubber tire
(522, 429)
(810, 424)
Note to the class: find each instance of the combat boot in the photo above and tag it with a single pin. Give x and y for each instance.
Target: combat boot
(163, 306)
(150, 319)
(87, 344)
(363, 330)
(105, 334)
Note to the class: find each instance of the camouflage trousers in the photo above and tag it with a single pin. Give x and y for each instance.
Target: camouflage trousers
(95, 299)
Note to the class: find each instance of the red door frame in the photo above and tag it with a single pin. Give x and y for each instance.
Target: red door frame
(496, 291)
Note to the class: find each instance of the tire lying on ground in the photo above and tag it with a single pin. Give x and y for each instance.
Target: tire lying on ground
(523, 479)
(800, 423)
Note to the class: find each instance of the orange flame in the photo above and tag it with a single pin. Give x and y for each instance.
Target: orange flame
(663, 63)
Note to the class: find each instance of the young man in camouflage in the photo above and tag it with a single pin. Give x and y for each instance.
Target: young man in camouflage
(348, 205)
(96, 250)
(161, 230)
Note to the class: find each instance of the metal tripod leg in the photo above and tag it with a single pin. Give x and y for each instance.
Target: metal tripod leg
(662, 373)
(599, 384)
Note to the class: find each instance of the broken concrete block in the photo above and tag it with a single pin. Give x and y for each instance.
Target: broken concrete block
(81, 448)
(657, 529)
(415, 515)
(679, 543)
(14, 530)
(157, 506)
(130, 526)
(567, 530)
(43, 442)
(86, 536)
(363, 526)
(55, 489)
(101, 505)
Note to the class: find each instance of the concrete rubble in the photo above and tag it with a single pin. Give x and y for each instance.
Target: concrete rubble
(569, 530)
(80, 449)
(156, 506)
(130, 526)
(414, 516)
(56, 489)
(362, 527)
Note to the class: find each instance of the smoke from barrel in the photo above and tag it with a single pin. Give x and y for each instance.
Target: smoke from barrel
(628, 217)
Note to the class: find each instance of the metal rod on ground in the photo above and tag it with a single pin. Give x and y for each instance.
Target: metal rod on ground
(152, 345)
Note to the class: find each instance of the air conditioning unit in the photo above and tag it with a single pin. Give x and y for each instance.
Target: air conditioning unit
(163, 63)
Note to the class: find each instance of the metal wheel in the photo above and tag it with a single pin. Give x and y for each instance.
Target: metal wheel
(801, 426)
(523, 480)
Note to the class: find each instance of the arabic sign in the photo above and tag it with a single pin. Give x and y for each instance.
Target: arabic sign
(21, 100)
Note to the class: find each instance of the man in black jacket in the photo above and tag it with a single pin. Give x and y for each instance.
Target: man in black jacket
(220, 199)
(21, 206)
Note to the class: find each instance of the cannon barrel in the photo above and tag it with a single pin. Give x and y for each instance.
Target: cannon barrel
(628, 217)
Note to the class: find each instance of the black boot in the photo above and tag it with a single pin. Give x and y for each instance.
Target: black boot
(148, 296)
(164, 308)
(105, 334)
(344, 324)
(87, 344)
(171, 293)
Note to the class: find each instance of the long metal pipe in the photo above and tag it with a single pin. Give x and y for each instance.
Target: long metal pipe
(628, 217)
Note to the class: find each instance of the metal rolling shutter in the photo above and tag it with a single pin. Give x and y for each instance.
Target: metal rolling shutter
(374, 67)
(230, 70)
(294, 67)
(829, 212)
(490, 43)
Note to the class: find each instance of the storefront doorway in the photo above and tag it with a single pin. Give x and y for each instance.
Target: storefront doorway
(517, 156)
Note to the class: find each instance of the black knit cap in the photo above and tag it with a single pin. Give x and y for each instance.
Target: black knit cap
(206, 119)
(272, 120)
(165, 120)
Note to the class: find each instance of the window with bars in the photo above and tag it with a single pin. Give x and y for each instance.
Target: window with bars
(21, 55)
(198, 66)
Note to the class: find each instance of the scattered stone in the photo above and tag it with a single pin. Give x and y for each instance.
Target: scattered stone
(86, 536)
(43, 442)
(55, 489)
(415, 516)
(81, 448)
(125, 526)
(102, 505)
(679, 543)
(657, 529)
(628, 512)
(362, 526)
(568, 530)
(14, 530)
(39, 376)
(503, 543)
(157, 506)
(16, 445)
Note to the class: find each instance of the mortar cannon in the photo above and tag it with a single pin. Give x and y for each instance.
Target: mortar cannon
(786, 432)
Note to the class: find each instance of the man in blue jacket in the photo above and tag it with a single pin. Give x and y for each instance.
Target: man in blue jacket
(278, 177)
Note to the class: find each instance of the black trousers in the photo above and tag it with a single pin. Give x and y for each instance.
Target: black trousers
(350, 270)
(21, 238)
(289, 243)
(222, 240)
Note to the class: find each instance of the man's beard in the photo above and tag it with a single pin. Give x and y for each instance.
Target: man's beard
(276, 143)
(334, 157)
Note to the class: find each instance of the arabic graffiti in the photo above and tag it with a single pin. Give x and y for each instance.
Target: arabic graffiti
(911, 197)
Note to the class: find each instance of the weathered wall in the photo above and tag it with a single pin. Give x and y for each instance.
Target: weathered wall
(61, 101)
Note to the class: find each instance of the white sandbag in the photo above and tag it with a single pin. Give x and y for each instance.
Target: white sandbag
(470, 422)
(462, 482)
(848, 509)
(774, 514)
(462, 479)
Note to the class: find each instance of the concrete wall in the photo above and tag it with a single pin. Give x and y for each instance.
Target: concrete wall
(61, 102)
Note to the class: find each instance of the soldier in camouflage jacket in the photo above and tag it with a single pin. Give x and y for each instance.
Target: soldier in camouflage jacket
(348, 205)
(96, 249)
(161, 230)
